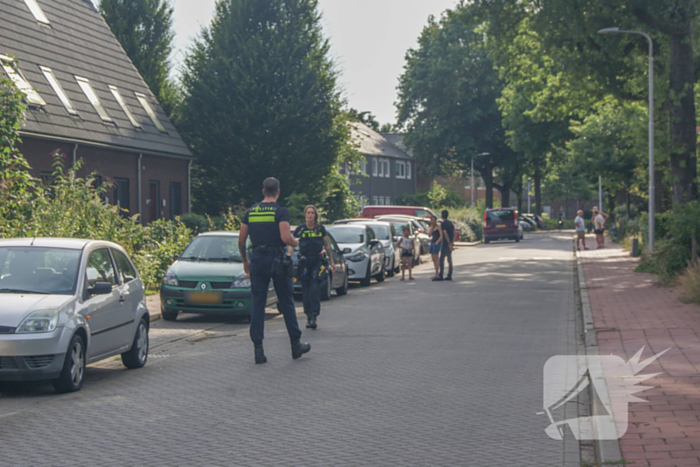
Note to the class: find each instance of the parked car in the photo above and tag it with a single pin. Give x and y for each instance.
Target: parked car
(67, 303)
(399, 223)
(537, 219)
(330, 280)
(420, 212)
(526, 225)
(362, 250)
(208, 278)
(386, 234)
(501, 223)
(531, 223)
(420, 228)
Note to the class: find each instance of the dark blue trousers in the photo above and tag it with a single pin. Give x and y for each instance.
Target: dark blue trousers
(311, 289)
(260, 275)
(445, 252)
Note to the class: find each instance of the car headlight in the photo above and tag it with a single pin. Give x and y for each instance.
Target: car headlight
(170, 278)
(39, 321)
(241, 282)
(358, 256)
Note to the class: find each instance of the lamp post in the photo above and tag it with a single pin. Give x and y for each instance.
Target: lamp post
(472, 174)
(651, 126)
(528, 196)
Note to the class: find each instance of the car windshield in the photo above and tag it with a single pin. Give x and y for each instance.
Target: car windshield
(213, 248)
(41, 270)
(348, 234)
(505, 215)
(381, 231)
(398, 226)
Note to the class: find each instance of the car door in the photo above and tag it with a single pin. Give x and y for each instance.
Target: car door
(131, 294)
(376, 251)
(340, 265)
(102, 312)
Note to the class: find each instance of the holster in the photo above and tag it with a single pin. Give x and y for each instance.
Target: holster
(283, 266)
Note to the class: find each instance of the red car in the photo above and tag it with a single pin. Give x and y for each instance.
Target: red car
(501, 223)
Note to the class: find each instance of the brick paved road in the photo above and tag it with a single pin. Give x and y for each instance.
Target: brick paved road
(400, 373)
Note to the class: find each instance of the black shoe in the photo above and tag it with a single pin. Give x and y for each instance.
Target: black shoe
(299, 349)
(312, 323)
(448, 278)
(259, 355)
(437, 279)
(308, 323)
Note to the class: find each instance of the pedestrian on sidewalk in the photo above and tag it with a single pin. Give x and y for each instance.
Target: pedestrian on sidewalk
(406, 245)
(448, 235)
(599, 218)
(312, 267)
(267, 223)
(580, 225)
(435, 243)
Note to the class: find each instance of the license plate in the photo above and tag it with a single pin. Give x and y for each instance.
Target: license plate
(501, 225)
(204, 298)
(294, 279)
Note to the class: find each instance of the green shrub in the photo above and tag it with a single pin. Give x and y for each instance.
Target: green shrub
(469, 221)
(161, 241)
(690, 282)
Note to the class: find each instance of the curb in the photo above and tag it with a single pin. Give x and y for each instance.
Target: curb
(153, 305)
(468, 243)
(607, 451)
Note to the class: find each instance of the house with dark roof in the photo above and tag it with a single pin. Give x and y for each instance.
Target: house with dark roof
(87, 100)
(387, 171)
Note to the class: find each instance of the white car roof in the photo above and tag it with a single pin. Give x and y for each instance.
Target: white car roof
(70, 243)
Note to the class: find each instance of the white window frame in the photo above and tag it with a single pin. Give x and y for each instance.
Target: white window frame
(151, 113)
(380, 172)
(37, 11)
(125, 108)
(375, 200)
(363, 166)
(400, 169)
(387, 168)
(85, 85)
(374, 166)
(56, 86)
(21, 82)
(408, 170)
(387, 200)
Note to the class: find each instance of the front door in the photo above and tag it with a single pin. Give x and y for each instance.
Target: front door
(102, 311)
(153, 200)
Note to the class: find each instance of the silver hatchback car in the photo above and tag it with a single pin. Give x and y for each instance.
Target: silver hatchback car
(66, 303)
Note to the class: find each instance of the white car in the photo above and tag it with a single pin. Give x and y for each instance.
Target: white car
(66, 303)
(362, 250)
(386, 234)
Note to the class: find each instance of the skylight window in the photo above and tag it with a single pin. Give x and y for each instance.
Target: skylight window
(94, 100)
(15, 75)
(58, 90)
(149, 110)
(37, 11)
(118, 97)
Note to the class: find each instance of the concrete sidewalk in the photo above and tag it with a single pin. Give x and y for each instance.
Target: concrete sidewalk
(630, 310)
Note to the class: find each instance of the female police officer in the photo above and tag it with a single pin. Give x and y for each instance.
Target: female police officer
(312, 241)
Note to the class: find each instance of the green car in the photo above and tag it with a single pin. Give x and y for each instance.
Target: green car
(208, 278)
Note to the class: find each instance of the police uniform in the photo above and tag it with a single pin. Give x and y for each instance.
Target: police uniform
(263, 221)
(311, 269)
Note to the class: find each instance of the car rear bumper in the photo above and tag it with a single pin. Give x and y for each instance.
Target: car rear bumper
(502, 235)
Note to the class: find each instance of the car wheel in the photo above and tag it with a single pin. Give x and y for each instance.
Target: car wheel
(392, 270)
(169, 315)
(365, 282)
(73, 372)
(517, 239)
(486, 241)
(326, 291)
(381, 275)
(344, 289)
(137, 356)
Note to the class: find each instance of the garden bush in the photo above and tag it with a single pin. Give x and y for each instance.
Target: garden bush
(690, 282)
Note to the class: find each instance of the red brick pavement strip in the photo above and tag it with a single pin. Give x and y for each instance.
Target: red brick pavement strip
(666, 430)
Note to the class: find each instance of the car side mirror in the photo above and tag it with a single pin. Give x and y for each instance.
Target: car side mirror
(100, 288)
(347, 250)
(374, 242)
(176, 257)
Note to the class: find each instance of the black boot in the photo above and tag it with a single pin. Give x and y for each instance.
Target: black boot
(312, 323)
(299, 348)
(260, 354)
(309, 320)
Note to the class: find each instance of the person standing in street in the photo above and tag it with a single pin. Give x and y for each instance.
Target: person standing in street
(311, 266)
(580, 225)
(599, 218)
(448, 235)
(267, 223)
(435, 242)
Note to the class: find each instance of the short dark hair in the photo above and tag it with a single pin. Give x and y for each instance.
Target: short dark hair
(271, 186)
(444, 213)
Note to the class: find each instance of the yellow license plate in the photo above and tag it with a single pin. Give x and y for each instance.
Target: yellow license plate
(501, 225)
(204, 298)
(294, 279)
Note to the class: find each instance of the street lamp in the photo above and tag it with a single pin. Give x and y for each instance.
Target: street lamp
(651, 126)
(472, 174)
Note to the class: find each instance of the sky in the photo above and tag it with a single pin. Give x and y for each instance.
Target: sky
(369, 40)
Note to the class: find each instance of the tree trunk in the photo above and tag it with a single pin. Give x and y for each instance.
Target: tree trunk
(538, 191)
(519, 192)
(611, 206)
(682, 114)
(505, 196)
(628, 202)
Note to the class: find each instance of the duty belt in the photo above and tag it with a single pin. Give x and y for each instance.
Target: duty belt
(267, 250)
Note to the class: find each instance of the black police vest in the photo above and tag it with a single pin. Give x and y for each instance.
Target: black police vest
(311, 243)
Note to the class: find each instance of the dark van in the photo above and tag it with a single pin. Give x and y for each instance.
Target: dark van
(501, 223)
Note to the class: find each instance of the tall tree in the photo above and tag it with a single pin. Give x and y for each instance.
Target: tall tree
(144, 29)
(447, 99)
(260, 100)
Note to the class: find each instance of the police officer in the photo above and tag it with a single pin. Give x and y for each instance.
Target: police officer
(311, 268)
(267, 223)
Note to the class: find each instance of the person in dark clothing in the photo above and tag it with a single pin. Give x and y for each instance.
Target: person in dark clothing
(448, 235)
(267, 223)
(312, 241)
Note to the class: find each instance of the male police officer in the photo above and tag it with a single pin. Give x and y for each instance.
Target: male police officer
(268, 225)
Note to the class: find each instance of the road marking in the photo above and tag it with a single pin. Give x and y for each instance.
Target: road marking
(542, 258)
(507, 259)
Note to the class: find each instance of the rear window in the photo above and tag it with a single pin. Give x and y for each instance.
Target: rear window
(506, 215)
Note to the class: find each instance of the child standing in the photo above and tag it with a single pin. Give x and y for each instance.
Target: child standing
(406, 245)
